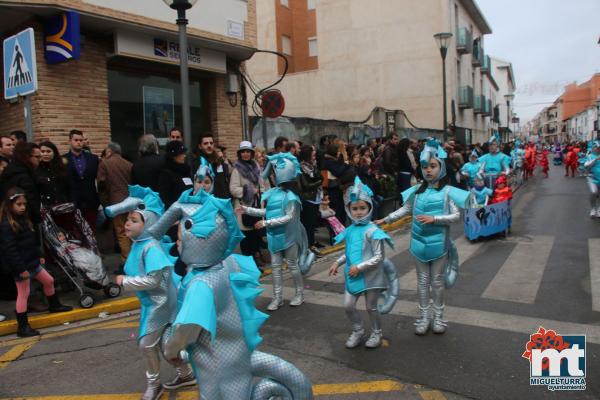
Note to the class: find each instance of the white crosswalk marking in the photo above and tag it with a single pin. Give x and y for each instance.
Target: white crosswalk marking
(519, 278)
(466, 249)
(594, 254)
(458, 315)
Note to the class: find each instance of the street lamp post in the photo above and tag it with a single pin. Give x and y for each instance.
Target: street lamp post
(443, 40)
(508, 98)
(181, 6)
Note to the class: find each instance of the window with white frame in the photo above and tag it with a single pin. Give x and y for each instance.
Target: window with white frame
(313, 50)
(286, 45)
(312, 4)
(285, 3)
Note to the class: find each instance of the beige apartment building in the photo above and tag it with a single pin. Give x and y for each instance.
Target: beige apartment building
(126, 80)
(348, 57)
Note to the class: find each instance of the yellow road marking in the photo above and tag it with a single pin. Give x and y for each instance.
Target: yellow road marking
(101, 325)
(15, 353)
(318, 390)
(432, 395)
(358, 387)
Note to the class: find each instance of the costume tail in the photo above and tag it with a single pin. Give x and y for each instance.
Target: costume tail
(306, 258)
(451, 270)
(281, 379)
(390, 296)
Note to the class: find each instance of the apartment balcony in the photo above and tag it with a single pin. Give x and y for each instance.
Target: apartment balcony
(478, 54)
(486, 65)
(464, 41)
(465, 97)
(487, 108)
(478, 104)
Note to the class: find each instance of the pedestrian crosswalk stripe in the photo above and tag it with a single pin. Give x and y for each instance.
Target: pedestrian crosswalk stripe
(519, 278)
(594, 254)
(466, 249)
(459, 315)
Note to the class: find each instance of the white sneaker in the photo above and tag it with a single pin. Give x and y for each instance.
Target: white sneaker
(593, 213)
(355, 338)
(597, 212)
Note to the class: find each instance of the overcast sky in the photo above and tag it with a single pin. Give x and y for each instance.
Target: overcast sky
(549, 42)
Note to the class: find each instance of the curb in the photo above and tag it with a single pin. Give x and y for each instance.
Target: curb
(47, 320)
(9, 327)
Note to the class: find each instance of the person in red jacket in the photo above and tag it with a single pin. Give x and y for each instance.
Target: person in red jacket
(502, 192)
(529, 160)
(570, 161)
(544, 162)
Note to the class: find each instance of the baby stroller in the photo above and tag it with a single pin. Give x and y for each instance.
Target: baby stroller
(75, 251)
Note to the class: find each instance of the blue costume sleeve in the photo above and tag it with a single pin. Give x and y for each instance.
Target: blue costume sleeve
(198, 308)
(155, 259)
(459, 196)
(244, 285)
(410, 192)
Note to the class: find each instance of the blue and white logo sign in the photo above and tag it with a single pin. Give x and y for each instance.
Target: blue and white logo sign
(62, 38)
(20, 70)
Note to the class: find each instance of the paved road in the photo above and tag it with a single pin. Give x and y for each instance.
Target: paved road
(539, 276)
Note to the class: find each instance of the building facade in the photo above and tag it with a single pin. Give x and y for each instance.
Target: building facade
(504, 112)
(349, 57)
(126, 80)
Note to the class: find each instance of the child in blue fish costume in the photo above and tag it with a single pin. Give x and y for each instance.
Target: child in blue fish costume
(217, 321)
(592, 164)
(434, 206)
(481, 193)
(364, 272)
(471, 169)
(149, 273)
(494, 163)
(286, 236)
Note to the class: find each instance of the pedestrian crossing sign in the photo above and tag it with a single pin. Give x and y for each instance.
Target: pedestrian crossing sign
(20, 70)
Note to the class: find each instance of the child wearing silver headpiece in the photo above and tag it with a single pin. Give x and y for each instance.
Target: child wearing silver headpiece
(434, 206)
(365, 272)
(149, 274)
(286, 236)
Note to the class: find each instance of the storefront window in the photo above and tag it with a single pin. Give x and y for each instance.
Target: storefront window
(150, 104)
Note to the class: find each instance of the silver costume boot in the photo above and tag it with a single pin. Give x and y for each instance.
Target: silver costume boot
(153, 387)
(438, 325)
(422, 324)
(356, 337)
(299, 283)
(277, 289)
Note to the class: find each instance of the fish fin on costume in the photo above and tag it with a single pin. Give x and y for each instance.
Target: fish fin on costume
(244, 285)
(410, 192)
(199, 308)
(459, 196)
(341, 237)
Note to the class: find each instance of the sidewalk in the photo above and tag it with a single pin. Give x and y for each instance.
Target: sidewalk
(103, 305)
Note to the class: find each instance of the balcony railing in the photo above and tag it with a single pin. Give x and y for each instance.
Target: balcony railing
(465, 97)
(487, 108)
(464, 41)
(486, 65)
(478, 104)
(478, 54)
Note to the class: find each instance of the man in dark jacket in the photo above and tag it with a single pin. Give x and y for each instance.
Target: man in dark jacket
(147, 167)
(82, 169)
(206, 149)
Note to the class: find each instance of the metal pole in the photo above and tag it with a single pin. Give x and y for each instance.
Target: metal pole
(28, 121)
(443, 50)
(185, 80)
(264, 133)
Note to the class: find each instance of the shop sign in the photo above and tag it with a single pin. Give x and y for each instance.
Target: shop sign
(20, 68)
(139, 45)
(62, 38)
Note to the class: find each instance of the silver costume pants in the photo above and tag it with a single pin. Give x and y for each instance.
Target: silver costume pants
(291, 256)
(371, 297)
(150, 348)
(594, 194)
(430, 282)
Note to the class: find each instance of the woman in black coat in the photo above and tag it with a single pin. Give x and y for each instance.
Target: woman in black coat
(52, 176)
(175, 176)
(21, 173)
